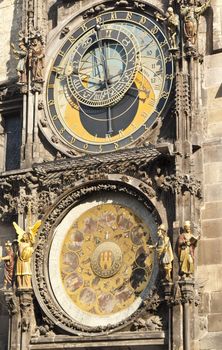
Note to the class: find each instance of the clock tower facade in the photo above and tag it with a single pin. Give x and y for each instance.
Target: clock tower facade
(102, 176)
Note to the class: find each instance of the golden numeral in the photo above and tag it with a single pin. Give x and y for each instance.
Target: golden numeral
(164, 95)
(131, 138)
(169, 76)
(51, 102)
(61, 131)
(86, 146)
(116, 145)
(121, 132)
(72, 40)
(108, 33)
(113, 15)
(62, 53)
(167, 59)
(154, 30)
(99, 20)
(54, 117)
(73, 140)
(84, 27)
(58, 69)
(145, 127)
(129, 15)
(100, 148)
(143, 20)
(163, 43)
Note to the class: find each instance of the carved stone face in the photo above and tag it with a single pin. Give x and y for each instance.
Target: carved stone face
(34, 42)
(170, 10)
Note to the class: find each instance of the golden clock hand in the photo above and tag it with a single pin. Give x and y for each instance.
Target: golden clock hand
(147, 92)
(85, 76)
(104, 61)
(103, 55)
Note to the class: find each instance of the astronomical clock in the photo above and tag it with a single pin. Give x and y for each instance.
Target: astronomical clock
(108, 82)
(99, 276)
(107, 85)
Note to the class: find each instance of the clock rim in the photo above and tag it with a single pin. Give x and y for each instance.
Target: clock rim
(50, 131)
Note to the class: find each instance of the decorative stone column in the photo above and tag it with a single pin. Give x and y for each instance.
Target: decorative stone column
(12, 303)
(168, 288)
(187, 294)
(26, 311)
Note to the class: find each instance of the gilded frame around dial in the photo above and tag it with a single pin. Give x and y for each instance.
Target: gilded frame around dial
(125, 118)
(63, 290)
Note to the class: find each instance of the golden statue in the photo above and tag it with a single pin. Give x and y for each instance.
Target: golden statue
(26, 240)
(164, 251)
(9, 265)
(186, 245)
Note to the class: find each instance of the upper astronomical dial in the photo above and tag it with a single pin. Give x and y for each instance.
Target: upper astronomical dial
(109, 82)
(103, 66)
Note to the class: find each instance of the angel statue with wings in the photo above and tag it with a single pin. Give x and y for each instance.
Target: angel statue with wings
(26, 240)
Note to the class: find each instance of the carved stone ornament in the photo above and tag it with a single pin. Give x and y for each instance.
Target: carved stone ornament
(148, 323)
(172, 21)
(191, 12)
(21, 54)
(47, 254)
(187, 291)
(180, 184)
(47, 181)
(127, 4)
(11, 302)
(30, 55)
(26, 307)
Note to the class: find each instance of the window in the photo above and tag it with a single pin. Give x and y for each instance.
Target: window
(13, 127)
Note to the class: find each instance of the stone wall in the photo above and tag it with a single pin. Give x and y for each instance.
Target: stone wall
(10, 24)
(210, 247)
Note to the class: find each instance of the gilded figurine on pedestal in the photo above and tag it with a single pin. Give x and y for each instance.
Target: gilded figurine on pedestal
(172, 20)
(164, 251)
(187, 243)
(191, 13)
(9, 261)
(26, 240)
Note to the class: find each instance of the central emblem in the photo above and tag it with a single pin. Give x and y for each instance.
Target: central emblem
(106, 260)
